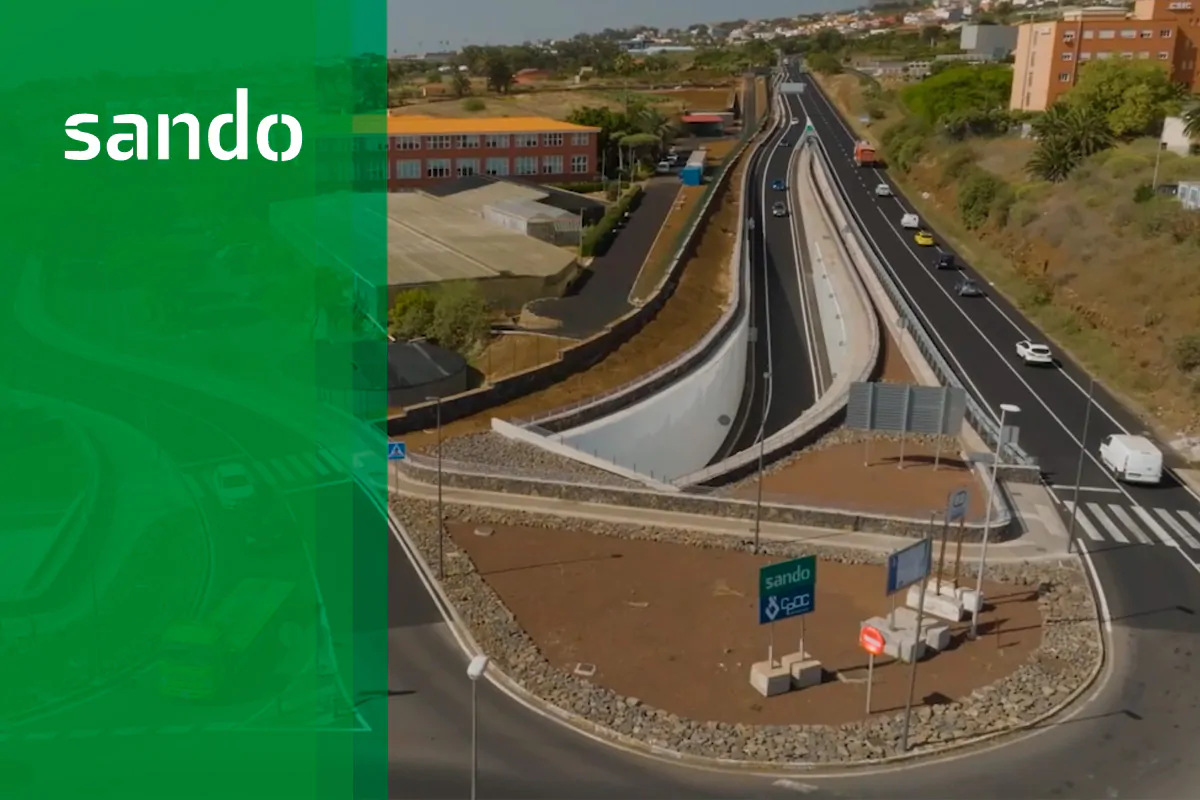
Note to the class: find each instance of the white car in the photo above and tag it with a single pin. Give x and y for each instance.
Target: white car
(1032, 353)
(910, 221)
(883, 190)
(795, 121)
(233, 485)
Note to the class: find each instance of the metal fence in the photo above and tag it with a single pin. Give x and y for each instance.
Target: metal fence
(981, 420)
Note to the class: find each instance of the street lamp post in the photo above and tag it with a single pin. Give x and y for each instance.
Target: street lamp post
(762, 439)
(440, 527)
(1087, 418)
(475, 670)
(1005, 409)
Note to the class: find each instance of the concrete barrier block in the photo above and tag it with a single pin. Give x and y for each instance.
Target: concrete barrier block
(804, 670)
(967, 596)
(770, 679)
(948, 608)
(934, 633)
(899, 642)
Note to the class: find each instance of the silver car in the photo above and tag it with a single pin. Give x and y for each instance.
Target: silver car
(779, 210)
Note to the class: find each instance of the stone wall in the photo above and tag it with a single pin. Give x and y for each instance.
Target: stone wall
(1065, 664)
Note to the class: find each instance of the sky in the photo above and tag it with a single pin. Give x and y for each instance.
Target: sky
(416, 26)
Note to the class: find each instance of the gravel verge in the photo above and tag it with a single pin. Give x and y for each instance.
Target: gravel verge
(493, 451)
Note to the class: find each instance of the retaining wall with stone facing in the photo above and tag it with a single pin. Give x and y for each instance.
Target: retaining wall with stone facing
(1066, 662)
(423, 469)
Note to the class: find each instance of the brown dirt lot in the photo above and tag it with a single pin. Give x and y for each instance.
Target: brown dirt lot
(717, 150)
(658, 259)
(675, 626)
(701, 99)
(691, 311)
(514, 352)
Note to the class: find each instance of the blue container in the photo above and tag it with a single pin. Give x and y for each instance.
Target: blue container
(692, 175)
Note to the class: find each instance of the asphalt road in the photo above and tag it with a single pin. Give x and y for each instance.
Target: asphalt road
(781, 379)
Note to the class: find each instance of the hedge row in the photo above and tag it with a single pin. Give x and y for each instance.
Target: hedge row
(597, 238)
(581, 187)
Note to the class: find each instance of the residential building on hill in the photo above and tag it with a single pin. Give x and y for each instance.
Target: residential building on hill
(423, 151)
(1049, 54)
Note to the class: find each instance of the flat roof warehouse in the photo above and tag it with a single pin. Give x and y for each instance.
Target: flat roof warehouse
(427, 240)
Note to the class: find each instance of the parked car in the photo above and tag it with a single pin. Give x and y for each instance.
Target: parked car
(968, 288)
(946, 261)
(1132, 459)
(910, 222)
(778, 185)
(779, 210)
(1032, 353)
(883, 190)
(923, 238)
(232, 484)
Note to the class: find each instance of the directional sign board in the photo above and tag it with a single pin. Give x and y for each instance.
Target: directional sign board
(906, 567)
(397, 451)
(787, 590)
(956, 505)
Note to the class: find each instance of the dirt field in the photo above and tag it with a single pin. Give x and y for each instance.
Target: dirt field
(514, 352)
(701, 99)
(688, 315)
(657, 259)
(554, 104)
(718, 149)
(842, 472)
(676, 626)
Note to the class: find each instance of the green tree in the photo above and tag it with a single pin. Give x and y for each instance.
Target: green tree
(824, 63)
(1053, 159)
(1191, 121)
(1085, 128)
(460, 317)
(1134, 96)
(412, 313)
(460, 84)
(499, 72)
(959, 89)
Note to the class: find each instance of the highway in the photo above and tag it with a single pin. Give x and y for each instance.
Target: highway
(788, 346)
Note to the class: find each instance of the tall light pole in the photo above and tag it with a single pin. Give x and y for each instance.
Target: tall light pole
(1087, 418)
(1005, 409)
(762, 444)
(440, 530)
(475, 670)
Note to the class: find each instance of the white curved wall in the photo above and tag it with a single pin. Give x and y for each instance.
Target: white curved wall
(674, 432)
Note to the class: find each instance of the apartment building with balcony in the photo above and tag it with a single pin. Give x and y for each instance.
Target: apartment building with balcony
(1050, 53)
(423, 151)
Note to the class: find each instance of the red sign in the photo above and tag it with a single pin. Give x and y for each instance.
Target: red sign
(871, 640)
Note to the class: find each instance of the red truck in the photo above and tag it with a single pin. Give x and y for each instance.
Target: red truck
(864, 154)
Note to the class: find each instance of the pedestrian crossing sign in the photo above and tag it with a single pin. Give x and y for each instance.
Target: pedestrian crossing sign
(396, 451)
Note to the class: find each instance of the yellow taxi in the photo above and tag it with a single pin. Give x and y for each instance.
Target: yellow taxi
(924, 238)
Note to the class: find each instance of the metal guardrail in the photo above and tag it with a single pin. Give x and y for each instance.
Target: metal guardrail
(689, 232)
(980, 419)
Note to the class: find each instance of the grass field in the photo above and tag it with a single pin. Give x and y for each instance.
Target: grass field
(659, 257)
(557, 104)
(1110, 279)
(700, 99)
(511, 353)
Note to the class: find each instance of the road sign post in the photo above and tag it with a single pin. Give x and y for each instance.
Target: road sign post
(397, 451)
(956, 511)
(906, 567)
(787, 589)
(916, 656)
(872, 641)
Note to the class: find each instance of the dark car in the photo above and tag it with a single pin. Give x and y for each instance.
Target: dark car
(779, 210)
(968, 288)
(778, 185)
(946, 261)
(783, 143)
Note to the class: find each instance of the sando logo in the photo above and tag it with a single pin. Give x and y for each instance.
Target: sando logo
(134, 143)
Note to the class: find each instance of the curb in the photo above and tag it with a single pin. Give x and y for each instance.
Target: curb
(608, 736)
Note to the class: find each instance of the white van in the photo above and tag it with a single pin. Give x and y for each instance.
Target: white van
(1133, 459)
(910, 222)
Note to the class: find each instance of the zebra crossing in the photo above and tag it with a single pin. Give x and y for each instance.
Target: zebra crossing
(1124, 524)
(286, 474)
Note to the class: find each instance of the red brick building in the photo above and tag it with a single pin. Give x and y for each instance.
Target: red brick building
(425, 150)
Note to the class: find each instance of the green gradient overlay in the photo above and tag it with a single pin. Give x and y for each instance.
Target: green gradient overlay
(166, 333)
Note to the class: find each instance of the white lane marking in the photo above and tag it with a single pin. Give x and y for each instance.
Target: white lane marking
(1123, 517)
(1090, 489)
(280, 467)
(1189, 519)
(318, 464)
(1108, 524)
(1155, 528)
(1180, 531)
(1084, 523)
(193, 485)
(795, 786)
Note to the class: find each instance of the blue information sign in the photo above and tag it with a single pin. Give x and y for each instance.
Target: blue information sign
(906, 567)
(787, 590)
(397, 451)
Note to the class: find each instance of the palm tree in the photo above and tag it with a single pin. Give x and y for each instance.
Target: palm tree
(1053, 159)
(460, 84)
(1191, 122)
